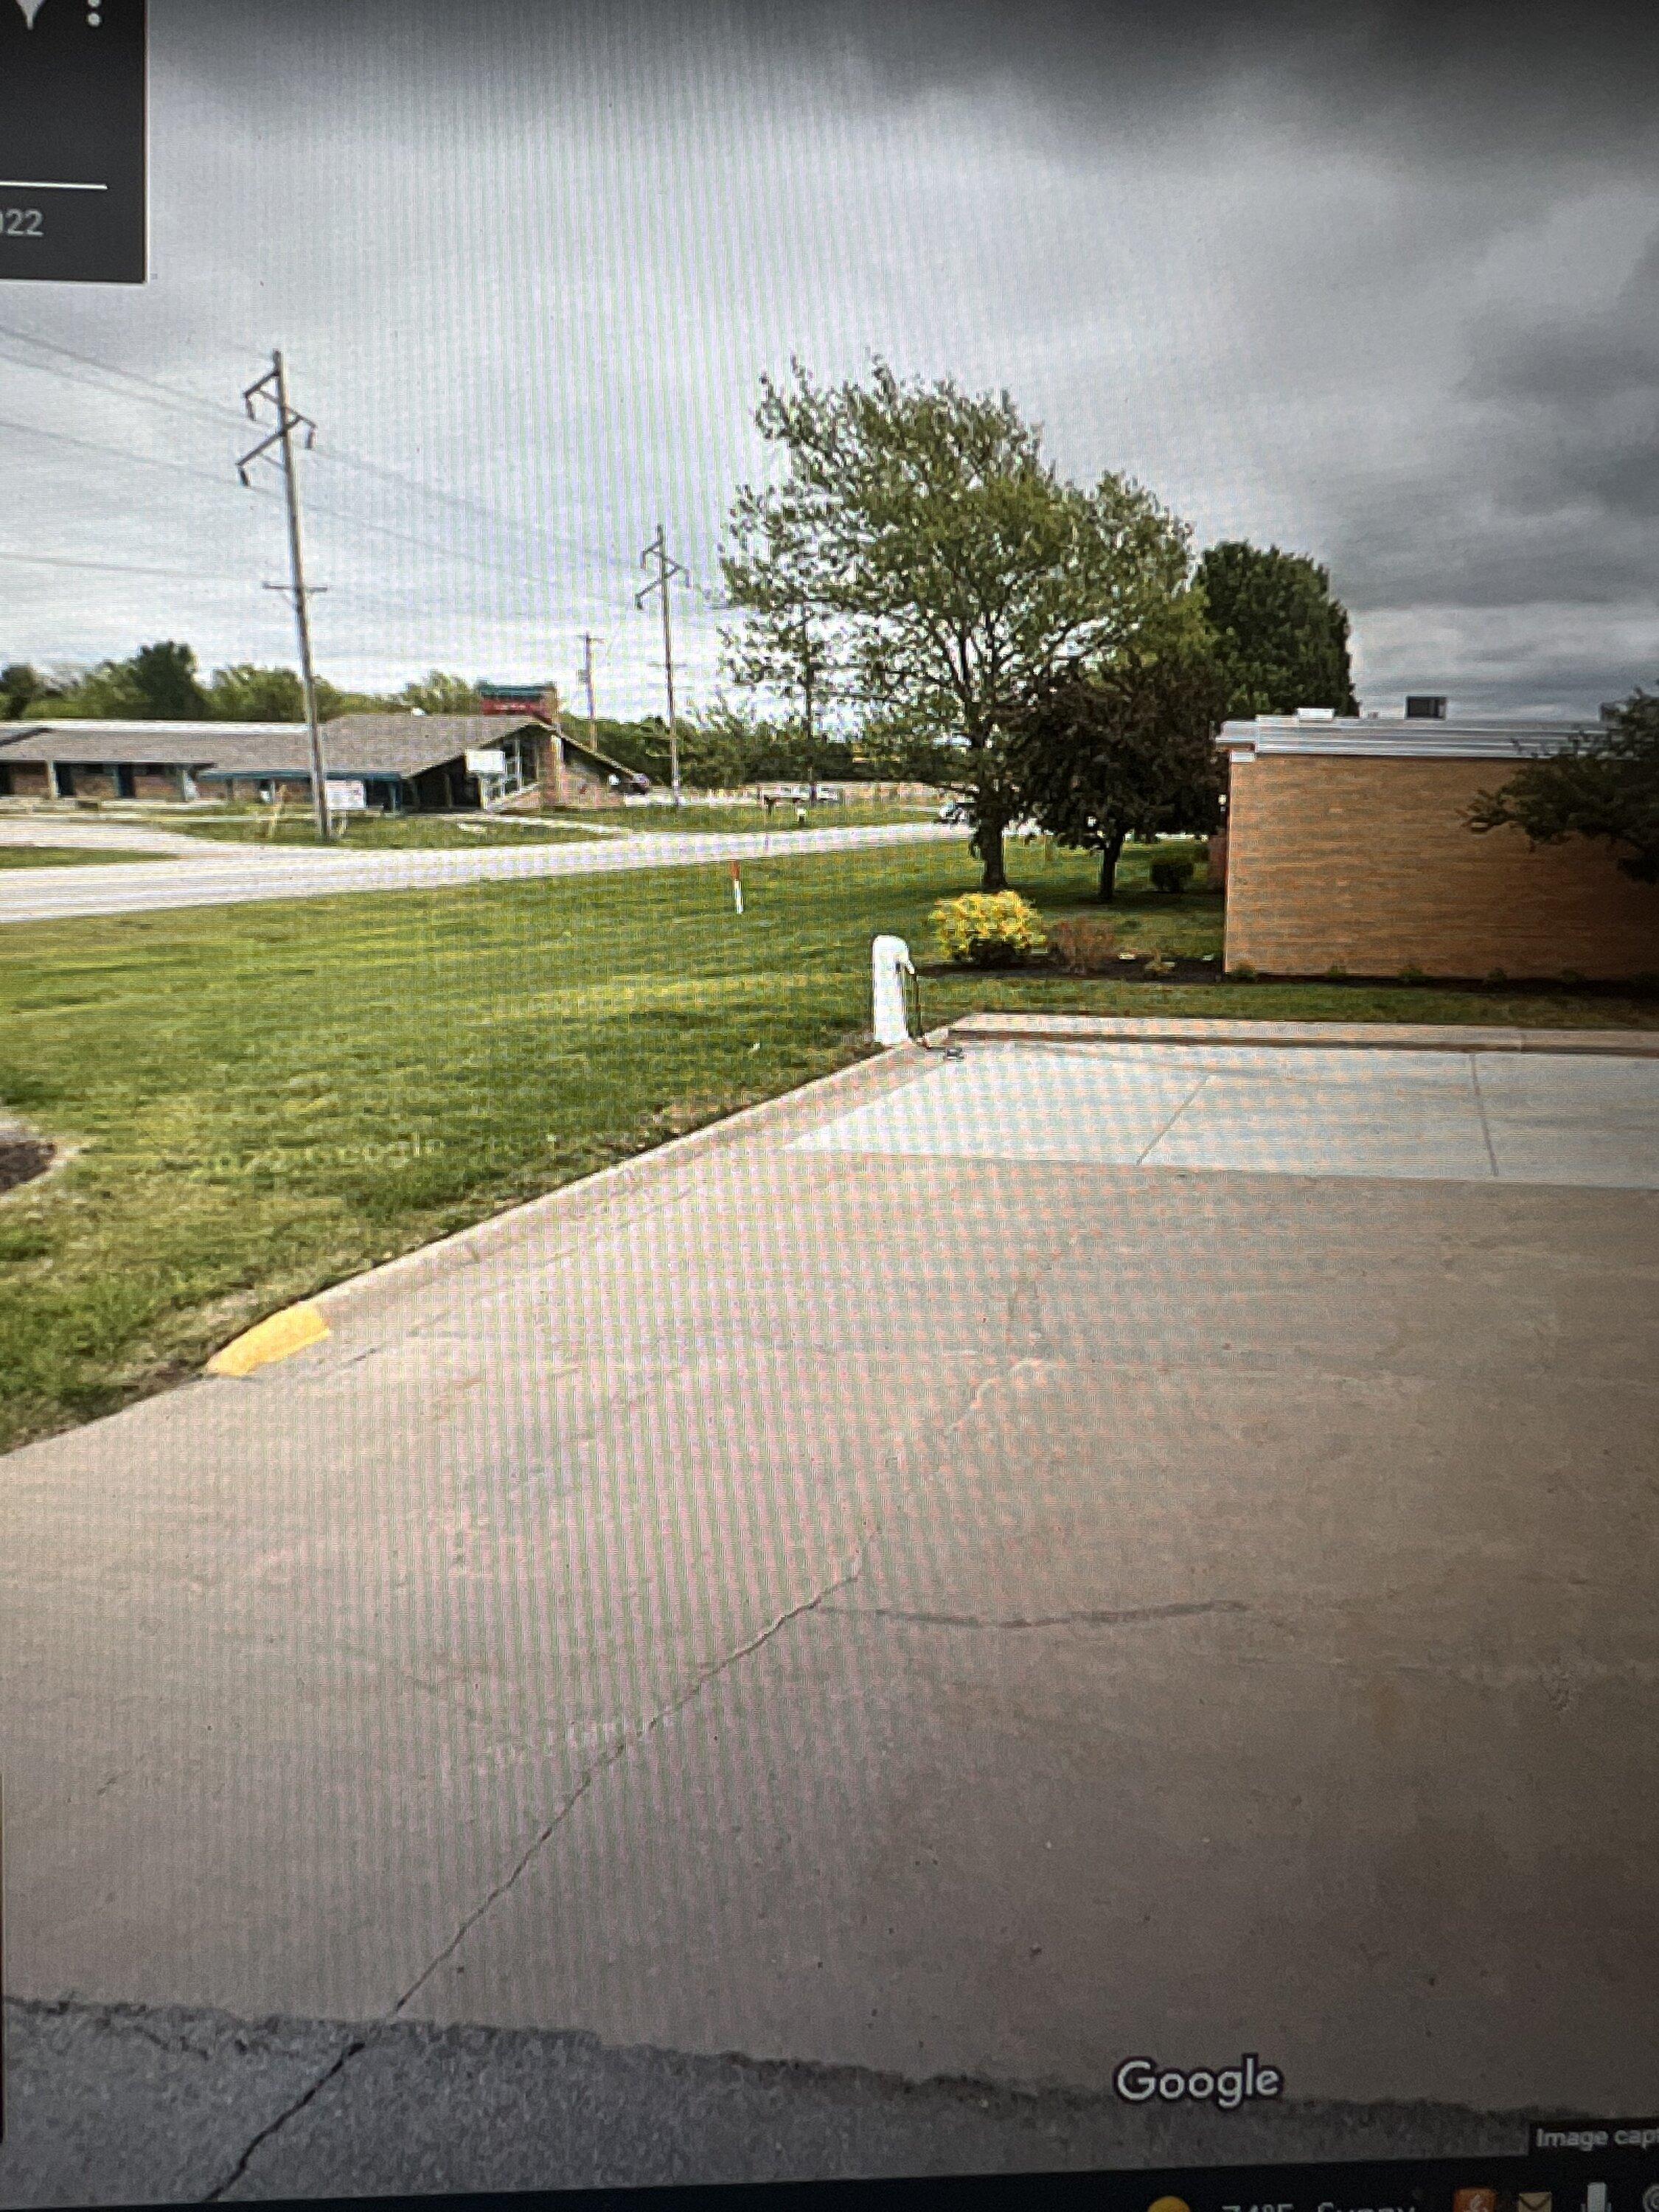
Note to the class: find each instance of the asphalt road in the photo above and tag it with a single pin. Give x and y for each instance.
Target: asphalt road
(870, 1627)
(215, 875)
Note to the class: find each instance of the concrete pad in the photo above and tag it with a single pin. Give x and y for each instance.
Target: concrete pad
(932, 1613)
(1110, 1108)
(1275, 1109)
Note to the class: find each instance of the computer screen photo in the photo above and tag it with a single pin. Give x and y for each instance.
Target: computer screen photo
(829, 1102)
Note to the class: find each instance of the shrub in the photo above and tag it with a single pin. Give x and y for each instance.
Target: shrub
(1172, 871)
(988, 929)
(1241, 971)
(1085, 944)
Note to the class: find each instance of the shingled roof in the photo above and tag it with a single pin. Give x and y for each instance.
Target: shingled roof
(169, 745)
(353, 744)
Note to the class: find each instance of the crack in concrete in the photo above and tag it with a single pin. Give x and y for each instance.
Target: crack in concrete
(630, 1742)
(1481, 1109)
(1094, 1618)
(215, 2195)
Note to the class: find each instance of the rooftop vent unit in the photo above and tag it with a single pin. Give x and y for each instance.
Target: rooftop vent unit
(1425, 706)
(1315, 713)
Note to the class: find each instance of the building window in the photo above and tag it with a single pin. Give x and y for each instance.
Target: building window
(519, 753)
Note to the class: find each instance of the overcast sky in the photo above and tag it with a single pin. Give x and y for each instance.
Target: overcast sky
(1375, 284)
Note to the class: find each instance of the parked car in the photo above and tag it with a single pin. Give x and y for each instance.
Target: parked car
(954, 810)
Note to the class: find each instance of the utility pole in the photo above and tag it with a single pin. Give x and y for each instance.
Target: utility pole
(274, 387)
(588, 643)
(655, 555)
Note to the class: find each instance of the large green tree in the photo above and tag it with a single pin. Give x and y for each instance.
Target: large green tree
(1124, 751)
(1280, 637)
(1604, 786)
(19, 685)
(440, 693)
(947, 566)
(158, 682)
(165, 683)
(247, 693)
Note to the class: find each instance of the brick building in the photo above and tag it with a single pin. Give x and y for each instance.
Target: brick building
(118, 760)
(404, 762)
(1346, 848)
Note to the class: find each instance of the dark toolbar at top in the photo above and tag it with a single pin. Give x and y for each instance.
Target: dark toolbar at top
(72, 150)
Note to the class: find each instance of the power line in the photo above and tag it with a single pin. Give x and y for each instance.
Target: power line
(468, 506)
(656, 556)
(273, 389)
(167, 395)
(116, 452)
(207, 476)
(161, 394)
(120, 568)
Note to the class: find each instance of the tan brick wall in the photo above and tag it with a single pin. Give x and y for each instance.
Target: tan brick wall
(1366, 865)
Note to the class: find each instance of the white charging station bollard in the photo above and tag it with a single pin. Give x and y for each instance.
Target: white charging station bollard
(890, 963)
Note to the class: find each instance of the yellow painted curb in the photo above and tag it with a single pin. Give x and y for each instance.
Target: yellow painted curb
(274, 1338)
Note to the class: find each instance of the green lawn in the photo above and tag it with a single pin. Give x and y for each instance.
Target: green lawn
(262, 1099)
(754, 819)
(65, 856)
(373, 833)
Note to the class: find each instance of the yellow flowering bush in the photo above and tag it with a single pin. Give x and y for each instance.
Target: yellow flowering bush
(989, 929)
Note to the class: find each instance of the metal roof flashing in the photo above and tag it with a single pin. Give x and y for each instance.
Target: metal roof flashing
(1365, 739)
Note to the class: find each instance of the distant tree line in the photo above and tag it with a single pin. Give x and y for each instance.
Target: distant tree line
(162, 683)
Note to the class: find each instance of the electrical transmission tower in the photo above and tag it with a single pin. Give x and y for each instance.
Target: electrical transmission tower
(588, 643)
(655, 556)
(274, 387)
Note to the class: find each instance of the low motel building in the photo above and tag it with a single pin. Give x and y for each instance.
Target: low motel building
(160, 760)
(1348, 850)
(393, 764)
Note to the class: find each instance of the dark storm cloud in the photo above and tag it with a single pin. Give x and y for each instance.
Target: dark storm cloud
(1513, 81)
(1523, 85)
(1376, 283)
(1581, 401)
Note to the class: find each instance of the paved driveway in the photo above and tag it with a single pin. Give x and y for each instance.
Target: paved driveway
(984, 1608)
(214, 875)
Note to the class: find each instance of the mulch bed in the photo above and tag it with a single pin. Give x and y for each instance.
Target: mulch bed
(1209, 971)
(23, 1158)
(1118, 971)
